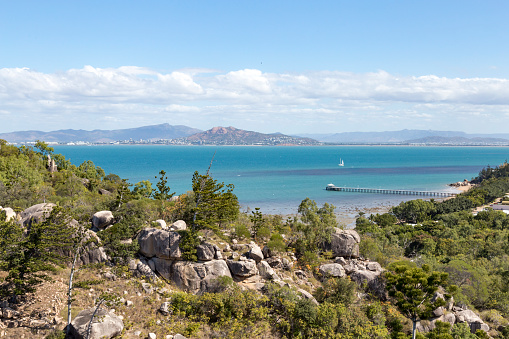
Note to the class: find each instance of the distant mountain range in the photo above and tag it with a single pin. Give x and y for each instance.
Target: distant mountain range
(410, 136)
(169, 134)
(161, 134)
(153, 132)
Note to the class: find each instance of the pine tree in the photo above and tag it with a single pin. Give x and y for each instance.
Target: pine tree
(215, 203)
(413, 289)
(28, 255)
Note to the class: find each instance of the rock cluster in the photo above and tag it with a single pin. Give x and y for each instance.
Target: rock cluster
(452, 315)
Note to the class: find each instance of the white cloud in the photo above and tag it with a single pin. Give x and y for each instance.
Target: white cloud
(130, 94)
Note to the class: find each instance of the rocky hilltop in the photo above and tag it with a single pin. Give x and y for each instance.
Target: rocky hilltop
(234, 136)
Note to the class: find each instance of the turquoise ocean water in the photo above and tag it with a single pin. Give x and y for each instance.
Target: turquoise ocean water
(277, 179)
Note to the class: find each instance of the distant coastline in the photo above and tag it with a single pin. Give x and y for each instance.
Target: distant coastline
(165, 134)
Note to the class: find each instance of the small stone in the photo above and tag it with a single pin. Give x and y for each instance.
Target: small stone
(137, 333)
(129, 303)
(148, 288)
(165, 308)
(152, 336)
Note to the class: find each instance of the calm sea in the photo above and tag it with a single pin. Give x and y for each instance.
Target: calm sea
(277, 179)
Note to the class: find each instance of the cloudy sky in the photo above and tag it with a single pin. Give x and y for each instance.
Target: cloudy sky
(271, 66)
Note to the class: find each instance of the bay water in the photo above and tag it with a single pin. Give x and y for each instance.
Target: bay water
(277, 179)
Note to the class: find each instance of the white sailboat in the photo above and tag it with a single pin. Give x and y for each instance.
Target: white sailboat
(341, 163)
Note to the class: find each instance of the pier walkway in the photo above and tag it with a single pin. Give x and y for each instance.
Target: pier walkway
(331, 187)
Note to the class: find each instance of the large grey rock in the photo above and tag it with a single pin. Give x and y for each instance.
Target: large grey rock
(372, 280)
(206, 251)
(194, 277)
(274, 262)
(374, 266)
(198, 277)
(447, 318)
(255, 253)
(345, 243)
(142, 269)
(102, 219)
(266, 272)
(362, 277)
(332, 270)
(267, 253)
(159, 243)
(9, 213)
(102, 191)
(242, 269)
(36, 214)
(93, 252)
(104, 324)
(471, 318)
(179, 225)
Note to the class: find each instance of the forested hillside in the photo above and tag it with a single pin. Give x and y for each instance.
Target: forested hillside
(73, 239)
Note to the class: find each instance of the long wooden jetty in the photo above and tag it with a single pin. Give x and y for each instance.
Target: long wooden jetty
(331, 187)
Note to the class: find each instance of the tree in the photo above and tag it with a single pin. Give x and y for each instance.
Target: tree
(257, 220)
(414, 211)
(214, 203)
(163, 190)
(28, 257)
(413, 289)
(43, 148)
(316, 226)
(143, 189)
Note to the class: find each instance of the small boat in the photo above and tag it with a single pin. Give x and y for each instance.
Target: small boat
(341, 163)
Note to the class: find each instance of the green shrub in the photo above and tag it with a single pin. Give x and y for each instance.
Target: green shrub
(277, 243)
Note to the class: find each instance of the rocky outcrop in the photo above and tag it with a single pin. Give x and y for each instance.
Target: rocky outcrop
(332, 270)
(473, 320)
(243, 268)
(345, 243)
(92, 252)
(102, 219)
(141, 269)
(206, 251)
(36, 214)
(52, 167)
(159, 243)
(104, 325)
(192, 276)
(266, 272)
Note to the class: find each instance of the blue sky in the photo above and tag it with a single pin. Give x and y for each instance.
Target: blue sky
(269, 66)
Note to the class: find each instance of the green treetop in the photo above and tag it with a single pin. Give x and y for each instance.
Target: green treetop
(413, 289)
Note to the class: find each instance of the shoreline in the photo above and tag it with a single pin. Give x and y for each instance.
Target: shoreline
(346, 215)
